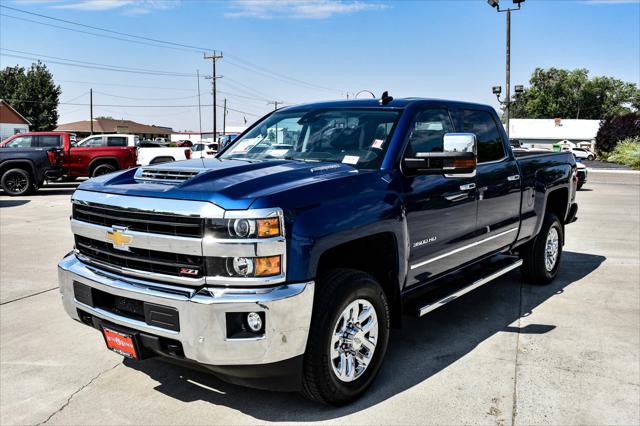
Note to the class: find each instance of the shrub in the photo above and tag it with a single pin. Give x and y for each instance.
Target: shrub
(615, 129)
(627, 152)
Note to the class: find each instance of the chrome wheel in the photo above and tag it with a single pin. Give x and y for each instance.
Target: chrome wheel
(551, 249)
(354, 340)
(16, 183)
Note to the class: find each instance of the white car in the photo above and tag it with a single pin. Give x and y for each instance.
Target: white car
(148, 152)
(204, 150)
(581, 153)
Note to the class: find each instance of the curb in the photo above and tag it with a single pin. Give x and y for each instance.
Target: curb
(631, 172)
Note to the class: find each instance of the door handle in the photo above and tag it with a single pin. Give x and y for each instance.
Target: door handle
(467, 187)
(513, 178)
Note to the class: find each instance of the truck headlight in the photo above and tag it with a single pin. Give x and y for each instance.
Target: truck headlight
(245, 228)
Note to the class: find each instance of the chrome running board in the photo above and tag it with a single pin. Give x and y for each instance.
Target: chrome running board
(432, 306)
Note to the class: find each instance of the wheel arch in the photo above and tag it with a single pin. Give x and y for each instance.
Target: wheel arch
(19, 164)
(376, 254)
(102, 160)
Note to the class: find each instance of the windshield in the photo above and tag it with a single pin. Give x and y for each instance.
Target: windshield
(359, 137)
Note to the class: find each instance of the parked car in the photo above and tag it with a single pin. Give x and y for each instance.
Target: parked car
(581, 153)
(582, 171)
(184, 143)
(148, 152)
(286, 270)
(226, 139)
(25, 167)
(204, 150)
(90, 159)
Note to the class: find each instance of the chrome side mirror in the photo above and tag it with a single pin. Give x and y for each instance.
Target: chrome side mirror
(458, 156)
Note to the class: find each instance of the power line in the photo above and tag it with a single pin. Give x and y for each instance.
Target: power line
(98, 83)
(129, 106)
(147, 99)
(241, 63)
(93, 65)
(96, 34)
(197, 48)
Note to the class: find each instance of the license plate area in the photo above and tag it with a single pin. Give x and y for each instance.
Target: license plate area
(121, 343)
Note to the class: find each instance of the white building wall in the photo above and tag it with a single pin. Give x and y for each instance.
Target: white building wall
(10, 129)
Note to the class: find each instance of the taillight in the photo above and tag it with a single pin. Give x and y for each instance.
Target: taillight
(55, 156)
(52, 157)
(187, 154)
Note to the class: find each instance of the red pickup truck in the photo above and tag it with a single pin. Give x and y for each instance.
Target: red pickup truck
(78, 161)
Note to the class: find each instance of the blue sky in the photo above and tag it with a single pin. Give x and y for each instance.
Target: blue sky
(443, 49)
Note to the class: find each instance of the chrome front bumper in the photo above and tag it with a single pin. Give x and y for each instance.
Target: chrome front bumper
(202, 314)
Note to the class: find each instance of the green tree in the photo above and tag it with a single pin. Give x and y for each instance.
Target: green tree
(560, 93)
(33, 93)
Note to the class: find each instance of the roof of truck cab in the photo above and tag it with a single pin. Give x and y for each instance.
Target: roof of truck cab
(375, 103)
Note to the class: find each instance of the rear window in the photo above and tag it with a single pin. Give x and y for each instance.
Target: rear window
(116, 141)
(49, 141)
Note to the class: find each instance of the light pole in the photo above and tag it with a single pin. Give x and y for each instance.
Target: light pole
(507, 102)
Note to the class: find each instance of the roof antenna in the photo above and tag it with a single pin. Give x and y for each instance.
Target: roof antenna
(385, 99)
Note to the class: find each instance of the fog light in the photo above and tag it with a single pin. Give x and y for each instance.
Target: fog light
(243, 266)
(254, 321)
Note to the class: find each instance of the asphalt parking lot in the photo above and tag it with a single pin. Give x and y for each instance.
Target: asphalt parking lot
(507, 353)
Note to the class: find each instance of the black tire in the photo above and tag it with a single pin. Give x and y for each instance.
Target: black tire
(580, 186)
(590, 158)
(16, 182)
(103, 169)
(335, 290)
(534, 267)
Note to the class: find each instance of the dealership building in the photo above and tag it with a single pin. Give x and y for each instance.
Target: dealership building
(535, 133)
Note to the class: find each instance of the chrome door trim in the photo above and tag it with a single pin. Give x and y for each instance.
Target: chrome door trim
(459, 249)
(513, 178)
(162, 206)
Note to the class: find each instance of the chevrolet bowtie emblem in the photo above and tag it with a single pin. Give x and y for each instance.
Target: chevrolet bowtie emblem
(118, 238)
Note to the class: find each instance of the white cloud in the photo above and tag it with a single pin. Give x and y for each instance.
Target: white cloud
(126, 6)
(299, 9)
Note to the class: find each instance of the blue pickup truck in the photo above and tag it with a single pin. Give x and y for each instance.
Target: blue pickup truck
(284, 261)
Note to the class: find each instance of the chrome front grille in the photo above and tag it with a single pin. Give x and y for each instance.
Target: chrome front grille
(158, 262)
(140, 221)
(166, 175)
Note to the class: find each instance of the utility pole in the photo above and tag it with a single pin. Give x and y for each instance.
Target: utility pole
(275, 108)
(91, 108)
(224, 118)
(496, 89)
(199, 105)
(214, 77)
(275, 104)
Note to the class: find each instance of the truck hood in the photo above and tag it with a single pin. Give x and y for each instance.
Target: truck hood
(230, 184)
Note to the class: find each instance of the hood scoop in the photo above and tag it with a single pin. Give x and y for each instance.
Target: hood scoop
(168, 175)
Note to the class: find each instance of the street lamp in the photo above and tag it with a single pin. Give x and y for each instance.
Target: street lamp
(496, 5)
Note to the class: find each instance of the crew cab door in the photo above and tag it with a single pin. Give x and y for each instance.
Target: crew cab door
(440, 210)
(497, 181)
(81, 155)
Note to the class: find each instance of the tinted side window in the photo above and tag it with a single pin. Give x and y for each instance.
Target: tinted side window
(490, 147)
(92, 142)
(116, 141)
(428, 131)
(21, 142)
(49, 141)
